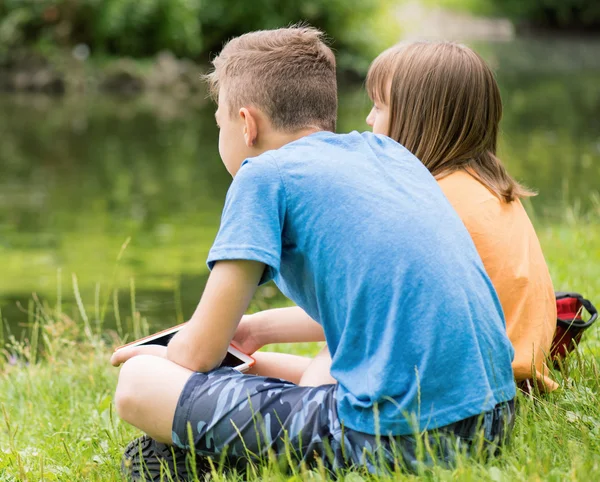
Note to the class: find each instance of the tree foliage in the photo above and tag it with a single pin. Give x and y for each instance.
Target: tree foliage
(190, 28)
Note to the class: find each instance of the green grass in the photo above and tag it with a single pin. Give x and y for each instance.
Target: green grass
(57, 420)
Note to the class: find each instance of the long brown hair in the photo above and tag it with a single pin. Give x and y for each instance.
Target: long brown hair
(445, 108)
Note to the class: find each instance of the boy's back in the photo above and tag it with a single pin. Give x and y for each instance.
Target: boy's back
(356, 231)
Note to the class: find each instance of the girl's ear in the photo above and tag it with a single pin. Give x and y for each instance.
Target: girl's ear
(250, 126)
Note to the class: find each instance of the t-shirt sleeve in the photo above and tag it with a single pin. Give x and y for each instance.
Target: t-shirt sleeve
(253, 216)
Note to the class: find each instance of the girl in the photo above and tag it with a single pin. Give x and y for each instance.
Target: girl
(441, 101)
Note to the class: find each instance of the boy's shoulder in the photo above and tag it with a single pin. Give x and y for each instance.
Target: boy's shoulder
(338, 139)
(324, 142)
(325, 155)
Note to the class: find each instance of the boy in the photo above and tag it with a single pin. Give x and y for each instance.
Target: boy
(357, 233)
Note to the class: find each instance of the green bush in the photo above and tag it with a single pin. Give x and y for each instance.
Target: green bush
(127, 27)
(359, 29)
(191, 28)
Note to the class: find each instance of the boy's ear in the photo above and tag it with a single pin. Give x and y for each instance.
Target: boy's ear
(250, 126)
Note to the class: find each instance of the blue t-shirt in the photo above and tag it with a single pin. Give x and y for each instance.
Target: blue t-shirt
(355, 230)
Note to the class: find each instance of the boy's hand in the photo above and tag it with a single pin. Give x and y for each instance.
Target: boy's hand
(245, 337)
(124, 354)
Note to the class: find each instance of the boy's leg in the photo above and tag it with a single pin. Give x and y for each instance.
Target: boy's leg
(280, 365)
(147, 394)
(245, 417)
(158, 397)
(300, 370)
(149, 387)
(319, 370)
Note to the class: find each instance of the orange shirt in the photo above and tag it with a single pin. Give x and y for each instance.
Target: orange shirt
(513, 259)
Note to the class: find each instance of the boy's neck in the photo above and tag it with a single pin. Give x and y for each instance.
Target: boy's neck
(279, 139)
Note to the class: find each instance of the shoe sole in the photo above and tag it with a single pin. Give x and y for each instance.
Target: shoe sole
(144, 459)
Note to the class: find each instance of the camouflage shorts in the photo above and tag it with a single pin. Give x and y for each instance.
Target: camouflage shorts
(243, 417)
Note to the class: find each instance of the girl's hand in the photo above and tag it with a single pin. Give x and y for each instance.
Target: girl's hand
(124, 354)
(245, 337)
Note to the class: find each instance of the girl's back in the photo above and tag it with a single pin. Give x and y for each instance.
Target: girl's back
(513, 259)
(441, 101)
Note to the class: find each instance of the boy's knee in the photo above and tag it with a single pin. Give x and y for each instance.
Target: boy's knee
(129, 393)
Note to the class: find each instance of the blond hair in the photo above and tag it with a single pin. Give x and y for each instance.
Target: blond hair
(445, 108)
(288, 73)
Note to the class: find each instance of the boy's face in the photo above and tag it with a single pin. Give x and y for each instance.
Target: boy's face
(232, 145)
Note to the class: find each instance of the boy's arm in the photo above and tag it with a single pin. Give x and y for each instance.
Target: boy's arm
(202, 344)
(279, 325)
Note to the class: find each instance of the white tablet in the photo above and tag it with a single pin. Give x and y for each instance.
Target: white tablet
(234, 357)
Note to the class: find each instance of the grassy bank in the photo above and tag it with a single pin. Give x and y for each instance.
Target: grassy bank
(58, 421)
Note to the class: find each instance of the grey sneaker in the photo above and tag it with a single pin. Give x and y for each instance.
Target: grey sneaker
(145, 459)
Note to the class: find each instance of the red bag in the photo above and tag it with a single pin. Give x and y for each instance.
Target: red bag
(570, 323)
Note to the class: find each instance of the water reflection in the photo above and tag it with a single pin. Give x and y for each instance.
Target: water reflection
(81, 175)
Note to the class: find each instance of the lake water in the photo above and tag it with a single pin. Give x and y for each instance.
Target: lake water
(82, 176)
